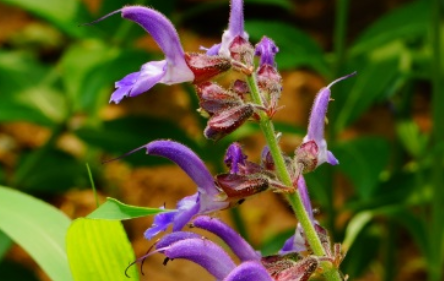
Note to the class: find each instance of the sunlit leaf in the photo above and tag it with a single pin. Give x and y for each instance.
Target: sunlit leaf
(37, 227)
(99, 250)
(113, 209)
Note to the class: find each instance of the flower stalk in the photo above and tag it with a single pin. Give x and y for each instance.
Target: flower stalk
(331, 273)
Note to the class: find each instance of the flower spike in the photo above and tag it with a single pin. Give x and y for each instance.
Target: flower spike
(172, 70)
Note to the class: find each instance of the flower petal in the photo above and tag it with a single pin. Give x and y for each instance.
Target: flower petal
(124, 87)
(266, 49)
(248, 271)
(234, 157)
(319, 111)
(187, 208)
(174, 237)
(296, 243)
(160, 28)
(203, 252)
(161, 222)
(187, 160)
(237, 244)
(303, 191)
(317, 116)
(173, 69)
(150, 74)
(235, 27)
(331, 159)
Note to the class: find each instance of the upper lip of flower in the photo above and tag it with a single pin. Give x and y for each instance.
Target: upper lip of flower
(173, 69)
(200, 203)
(316, 124)
(235, 29)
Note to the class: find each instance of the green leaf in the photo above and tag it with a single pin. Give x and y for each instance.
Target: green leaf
(363, 251)
(285, 4)
(113, 209)
(296, 48)
(75, 65)
(414, 224)
(25, 94)
(37, 227)
(363, 160)
(99, 250)
(369, 85)
(137, 131)
(86, 74)
(64, 14)
(354, 227)
(5, 244)
(56, 172)
(411, 138)
(409, 21)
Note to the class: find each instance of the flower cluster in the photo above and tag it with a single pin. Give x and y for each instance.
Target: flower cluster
(255, 98)
(252, 266)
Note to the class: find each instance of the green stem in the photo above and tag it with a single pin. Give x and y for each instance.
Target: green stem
(436, 243)
(331, 273)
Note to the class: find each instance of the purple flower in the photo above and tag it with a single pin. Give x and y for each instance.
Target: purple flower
(173, 69)
(297, 243)
(252, 266)
(313, 150)
(235, 31)
(266, 49)
(202, 202)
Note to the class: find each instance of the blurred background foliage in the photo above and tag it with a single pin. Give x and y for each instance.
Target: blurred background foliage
(385, 126)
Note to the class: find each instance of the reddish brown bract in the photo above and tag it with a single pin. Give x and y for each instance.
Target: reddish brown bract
(237, 187)
(226, 121)
(206, 67)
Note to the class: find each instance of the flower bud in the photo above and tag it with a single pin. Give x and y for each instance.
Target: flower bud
(206, 67)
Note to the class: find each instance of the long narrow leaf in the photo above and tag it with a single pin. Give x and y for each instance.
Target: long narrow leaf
(99, 250)
(37, 227)
(113, 209)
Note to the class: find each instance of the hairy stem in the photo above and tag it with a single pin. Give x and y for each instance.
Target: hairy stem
(295, 200)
